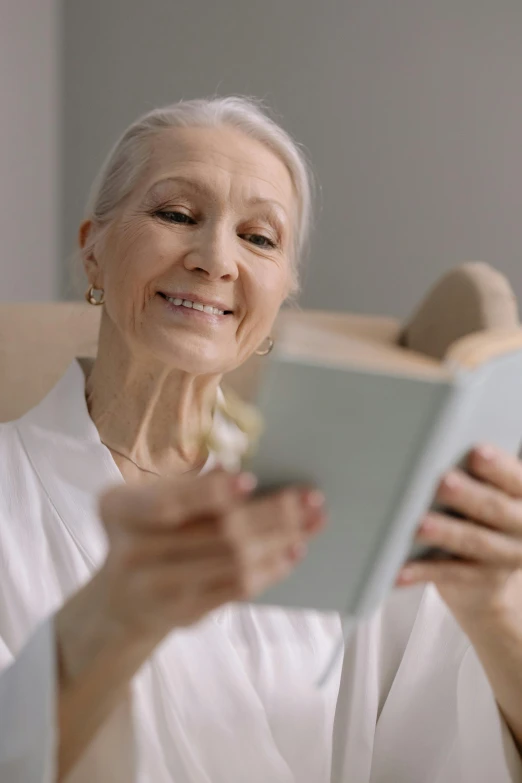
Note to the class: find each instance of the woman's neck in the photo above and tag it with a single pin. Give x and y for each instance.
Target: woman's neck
(151, 417)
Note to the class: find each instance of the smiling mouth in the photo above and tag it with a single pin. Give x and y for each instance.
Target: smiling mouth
(194, 305)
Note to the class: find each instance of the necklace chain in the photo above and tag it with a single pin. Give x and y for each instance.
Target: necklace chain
(147, 470)
(243, 416)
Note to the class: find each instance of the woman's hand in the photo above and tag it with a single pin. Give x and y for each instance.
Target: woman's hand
(177, 549)
(483, 587)
(486, 579)
(180, 548)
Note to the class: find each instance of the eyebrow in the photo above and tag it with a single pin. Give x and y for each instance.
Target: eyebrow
(199, 187)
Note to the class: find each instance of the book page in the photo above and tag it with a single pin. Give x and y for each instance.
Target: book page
(354, 344)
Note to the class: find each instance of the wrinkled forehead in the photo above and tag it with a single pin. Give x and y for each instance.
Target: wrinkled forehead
(224, 159)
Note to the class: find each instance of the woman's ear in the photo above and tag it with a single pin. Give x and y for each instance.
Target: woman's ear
(86, 240)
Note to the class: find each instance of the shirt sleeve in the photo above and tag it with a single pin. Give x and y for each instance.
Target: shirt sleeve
(430, 715)
(485, 747)
(28, 709)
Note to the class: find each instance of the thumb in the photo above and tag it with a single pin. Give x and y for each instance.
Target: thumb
(170, 502)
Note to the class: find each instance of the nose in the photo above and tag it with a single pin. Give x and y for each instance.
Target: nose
(213, 255)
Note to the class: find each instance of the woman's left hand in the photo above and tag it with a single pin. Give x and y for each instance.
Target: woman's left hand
(486, 581)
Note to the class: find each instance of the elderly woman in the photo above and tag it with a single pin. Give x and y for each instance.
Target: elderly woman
(128, 648)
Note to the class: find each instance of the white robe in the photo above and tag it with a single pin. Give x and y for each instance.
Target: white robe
(233, 699)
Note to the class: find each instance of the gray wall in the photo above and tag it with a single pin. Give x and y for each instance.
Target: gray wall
(29, 150)
(411, 111)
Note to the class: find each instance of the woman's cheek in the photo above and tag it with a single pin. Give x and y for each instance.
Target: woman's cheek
(271, 291)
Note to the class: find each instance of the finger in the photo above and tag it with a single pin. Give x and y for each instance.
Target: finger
(184, 580)
(315, 523)
(170, 502)
(480, 502)
(187, 577)
(201, 538)
(470, 541)
(134, 548)
(272, 568)
(444, 572)
(267, 538)
(198, 539)
(272, 561)
(250, 534)
(497, 467)
(176, 551)
(297, 552)
(258, 551)
(282, 516)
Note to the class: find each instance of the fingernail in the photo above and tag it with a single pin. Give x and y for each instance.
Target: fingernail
(427, 524)
(245, 482)
(313, 499)
(451, 481)
(485, 453)
(298, 551)
(316, 523)
(405, 576)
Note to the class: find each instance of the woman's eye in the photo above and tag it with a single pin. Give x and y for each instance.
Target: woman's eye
(259, 240)
(172, 216)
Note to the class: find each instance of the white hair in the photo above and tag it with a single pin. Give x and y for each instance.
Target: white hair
(127, 159)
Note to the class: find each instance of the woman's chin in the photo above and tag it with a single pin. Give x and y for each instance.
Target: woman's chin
(193, 356)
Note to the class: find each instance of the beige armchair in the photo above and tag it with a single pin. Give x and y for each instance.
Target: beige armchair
(37, 341)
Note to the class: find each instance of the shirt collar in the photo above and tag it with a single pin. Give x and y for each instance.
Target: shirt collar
(74, 466)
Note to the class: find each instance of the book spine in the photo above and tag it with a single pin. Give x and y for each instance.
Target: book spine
(415, 498)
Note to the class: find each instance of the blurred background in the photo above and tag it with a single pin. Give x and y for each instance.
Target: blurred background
(411, 112)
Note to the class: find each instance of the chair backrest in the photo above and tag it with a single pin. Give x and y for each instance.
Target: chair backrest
(468, 299)
(38, 341)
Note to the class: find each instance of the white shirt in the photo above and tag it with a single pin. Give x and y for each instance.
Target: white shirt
(232, 699)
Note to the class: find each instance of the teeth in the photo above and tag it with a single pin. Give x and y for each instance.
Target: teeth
(195, 306)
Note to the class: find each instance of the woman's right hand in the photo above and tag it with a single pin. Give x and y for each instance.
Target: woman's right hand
(177, 549)
(180, 548)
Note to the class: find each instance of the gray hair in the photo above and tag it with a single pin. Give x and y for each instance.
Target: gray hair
(127, 159)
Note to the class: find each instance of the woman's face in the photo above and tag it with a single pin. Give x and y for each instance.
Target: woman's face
(211, 223)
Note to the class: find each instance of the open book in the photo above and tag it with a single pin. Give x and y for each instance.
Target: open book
(374, 426)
